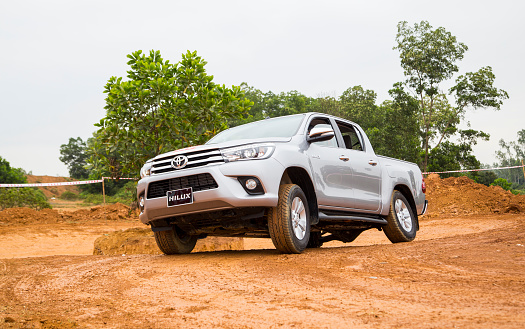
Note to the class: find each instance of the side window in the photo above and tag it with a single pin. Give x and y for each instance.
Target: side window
(350, 136)
(323, 123)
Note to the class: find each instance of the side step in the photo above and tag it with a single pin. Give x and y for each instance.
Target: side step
(352, 218)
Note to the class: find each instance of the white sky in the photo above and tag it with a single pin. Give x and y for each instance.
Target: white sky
(56, 57)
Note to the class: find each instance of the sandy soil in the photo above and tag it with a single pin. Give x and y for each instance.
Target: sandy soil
(464, 270)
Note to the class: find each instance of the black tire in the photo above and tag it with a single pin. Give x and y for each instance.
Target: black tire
(402, 223)
(289, 222)
(175, 241)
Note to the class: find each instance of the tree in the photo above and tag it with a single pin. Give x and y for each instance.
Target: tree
(15, 196)
(428, 58)
(512, 154)
(74, 155)
(396, 133)
(485, 177)
(9, 175)
(161, 107)
(391, 127)
(359, 105)
(502, 182)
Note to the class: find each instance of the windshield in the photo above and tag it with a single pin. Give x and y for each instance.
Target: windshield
(276, 127)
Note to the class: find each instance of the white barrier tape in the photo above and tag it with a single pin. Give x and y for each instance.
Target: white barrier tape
(53, 184)
(467, 170)
(63, 183)
(119, 178)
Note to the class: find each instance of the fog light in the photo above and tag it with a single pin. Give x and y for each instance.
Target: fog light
(141, 204)
(251, 184)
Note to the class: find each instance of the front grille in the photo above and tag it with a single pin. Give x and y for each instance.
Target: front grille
(198, 182)
(195, 159)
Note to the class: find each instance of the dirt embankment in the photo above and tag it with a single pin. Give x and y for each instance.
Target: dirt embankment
(53, 191)
(460, 196)
(114, 212)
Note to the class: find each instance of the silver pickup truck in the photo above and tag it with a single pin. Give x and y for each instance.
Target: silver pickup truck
(301, 180)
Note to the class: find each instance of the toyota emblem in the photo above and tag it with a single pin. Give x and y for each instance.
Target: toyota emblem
(179, 162)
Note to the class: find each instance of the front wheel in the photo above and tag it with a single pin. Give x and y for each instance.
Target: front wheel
(402, 225)
(289, 222)
(175, 241)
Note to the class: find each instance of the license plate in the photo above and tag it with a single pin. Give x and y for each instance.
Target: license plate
(178, 197)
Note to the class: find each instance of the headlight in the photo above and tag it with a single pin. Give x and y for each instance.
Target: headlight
(146, 170)
(248, 152)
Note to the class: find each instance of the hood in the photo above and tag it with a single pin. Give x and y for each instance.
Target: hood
(222, 146)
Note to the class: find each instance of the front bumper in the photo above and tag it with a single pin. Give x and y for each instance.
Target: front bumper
(229, 194)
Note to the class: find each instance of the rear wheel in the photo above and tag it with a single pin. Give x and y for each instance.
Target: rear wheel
(289, 222)
(402, 224)
(175, 241)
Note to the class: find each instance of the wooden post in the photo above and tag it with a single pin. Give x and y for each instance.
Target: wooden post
(104, 197)
(103, 192)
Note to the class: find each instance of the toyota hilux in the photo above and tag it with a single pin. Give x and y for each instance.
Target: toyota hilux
(300, 180)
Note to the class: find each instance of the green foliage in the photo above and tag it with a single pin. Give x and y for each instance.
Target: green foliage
(126, 194)
(73, 155)
(111, 187)
(502, 182)
(485, 177)
(393, 128)
(452, 156)
(270, 105)
(161, 107)
(428, 58)
(9, 175)
(68, 195)
(23, 197)
(18, 197)
(359, 105)
(512, 154)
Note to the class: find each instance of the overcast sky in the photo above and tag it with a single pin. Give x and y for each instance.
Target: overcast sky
(56, 57)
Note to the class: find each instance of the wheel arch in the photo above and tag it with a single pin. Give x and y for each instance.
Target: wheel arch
(299, 176)
(405, 190)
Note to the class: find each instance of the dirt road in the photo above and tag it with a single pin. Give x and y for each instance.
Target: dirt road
(464, 272)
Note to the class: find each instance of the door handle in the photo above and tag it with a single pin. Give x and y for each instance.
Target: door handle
(372, 163)
(342, 157)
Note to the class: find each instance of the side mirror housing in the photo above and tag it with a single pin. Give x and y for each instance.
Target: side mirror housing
(320, 134)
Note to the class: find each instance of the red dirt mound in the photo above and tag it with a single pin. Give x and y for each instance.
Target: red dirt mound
(53, 191)
(115, 211)
(136, 240)
(458, 196)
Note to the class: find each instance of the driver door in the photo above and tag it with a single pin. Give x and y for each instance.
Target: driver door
(332, 174)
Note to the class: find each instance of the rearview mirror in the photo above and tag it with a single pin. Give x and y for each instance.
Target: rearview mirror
(320, 134)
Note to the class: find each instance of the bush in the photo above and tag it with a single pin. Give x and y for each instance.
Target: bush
(23, 197)
(503, 183)
(126, 195)
(68, 195)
